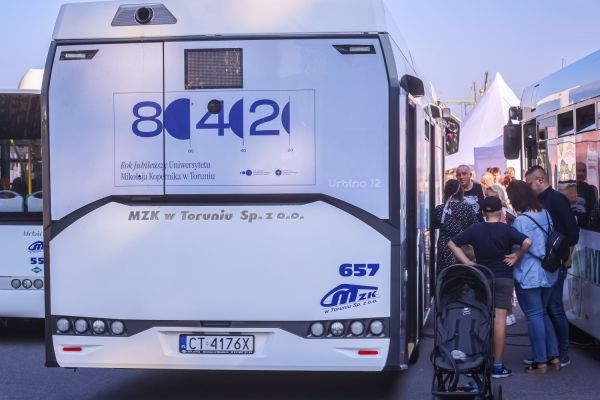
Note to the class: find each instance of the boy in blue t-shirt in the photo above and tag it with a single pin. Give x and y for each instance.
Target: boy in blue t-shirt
(492, 243)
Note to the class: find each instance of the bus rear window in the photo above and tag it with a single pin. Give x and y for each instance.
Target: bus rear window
(565, 123)
(20, 154)
(214, 69)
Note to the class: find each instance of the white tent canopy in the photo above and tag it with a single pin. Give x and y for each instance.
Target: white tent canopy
(32, 80)
(492, 155)
(483, 127)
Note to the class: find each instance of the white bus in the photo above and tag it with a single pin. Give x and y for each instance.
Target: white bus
(236, 184)
(560, 131)
(21, 241)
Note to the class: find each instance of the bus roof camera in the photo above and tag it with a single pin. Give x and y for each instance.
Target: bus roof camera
(413, 85)
(214, 106)
(143, 15)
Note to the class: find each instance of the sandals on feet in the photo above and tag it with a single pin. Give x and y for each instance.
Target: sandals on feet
(537, 368)
(554, 363)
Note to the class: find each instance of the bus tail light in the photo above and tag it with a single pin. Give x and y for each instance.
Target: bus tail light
(72, 348)
(376, 327)
(89, 326)
(63, 325)
(357, 328)
(15, 283)
(99, 327)
(350, 328)
(337, 328)
(38, 284)
(117, 327)
(27, 284)
(81, 326)
(317, 329)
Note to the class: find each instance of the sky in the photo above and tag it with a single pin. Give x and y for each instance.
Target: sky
(453, 42)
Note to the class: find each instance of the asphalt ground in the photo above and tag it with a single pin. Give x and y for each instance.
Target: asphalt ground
(23, 376)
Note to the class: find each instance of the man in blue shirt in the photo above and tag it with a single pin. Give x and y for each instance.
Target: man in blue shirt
(493, 243)
(565, 222)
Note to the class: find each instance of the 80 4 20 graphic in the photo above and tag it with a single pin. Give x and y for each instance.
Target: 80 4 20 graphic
(243, 137)
(266, 117)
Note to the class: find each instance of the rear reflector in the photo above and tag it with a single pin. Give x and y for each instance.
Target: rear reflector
(71, 348)
(354, 49)
(368, 352)
(77, 55)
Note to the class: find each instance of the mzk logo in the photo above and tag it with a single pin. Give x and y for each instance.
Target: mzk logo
(346, 294)
(36, 247)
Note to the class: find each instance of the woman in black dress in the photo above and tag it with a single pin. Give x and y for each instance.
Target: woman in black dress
(451, 218)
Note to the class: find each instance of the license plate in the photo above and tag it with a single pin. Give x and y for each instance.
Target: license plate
(216, 344)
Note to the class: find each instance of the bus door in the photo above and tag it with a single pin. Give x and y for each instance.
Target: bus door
(241, 119)
(102, 99)
(413, 278)
(423, 224)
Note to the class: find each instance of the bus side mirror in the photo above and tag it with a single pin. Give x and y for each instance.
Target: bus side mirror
(512, 141)
(446, 113)
(413, 85)
(436, 111)
(515, 113)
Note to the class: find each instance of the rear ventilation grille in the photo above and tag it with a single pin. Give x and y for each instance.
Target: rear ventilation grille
(126, 15)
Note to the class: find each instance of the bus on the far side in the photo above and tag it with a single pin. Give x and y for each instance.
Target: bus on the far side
(21, 240)
(560, 130)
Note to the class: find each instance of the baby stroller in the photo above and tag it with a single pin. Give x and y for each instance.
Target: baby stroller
(464, 328)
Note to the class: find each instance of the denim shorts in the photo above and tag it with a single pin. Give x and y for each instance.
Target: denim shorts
(503, 290)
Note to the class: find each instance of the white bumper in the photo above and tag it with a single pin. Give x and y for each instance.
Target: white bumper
(275, 349)
(22, 303)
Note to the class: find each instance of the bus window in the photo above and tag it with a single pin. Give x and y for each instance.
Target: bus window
(542, 155)
(452, 136)
(586, 170)
(547, 129)
(20, 174)
(546, 137)
(20, 153)
(565, 123)
(585, 118)
(530, 142)
(427, 130)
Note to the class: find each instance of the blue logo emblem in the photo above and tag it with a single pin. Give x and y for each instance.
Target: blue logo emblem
(345, 293)
(36, 246)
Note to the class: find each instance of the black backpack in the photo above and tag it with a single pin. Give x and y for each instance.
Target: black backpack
(556, 246)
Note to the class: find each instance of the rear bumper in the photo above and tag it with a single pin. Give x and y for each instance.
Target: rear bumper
(22, 303)
(275, 349)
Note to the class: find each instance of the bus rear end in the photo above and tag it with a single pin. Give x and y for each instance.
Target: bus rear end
(218, 202)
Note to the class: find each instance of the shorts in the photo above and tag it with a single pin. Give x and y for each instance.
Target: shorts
(503, 290)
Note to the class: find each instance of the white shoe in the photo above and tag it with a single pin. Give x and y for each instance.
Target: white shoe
(511, 320)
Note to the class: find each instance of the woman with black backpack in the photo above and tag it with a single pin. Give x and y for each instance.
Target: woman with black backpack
(533, 282)
(451, 218)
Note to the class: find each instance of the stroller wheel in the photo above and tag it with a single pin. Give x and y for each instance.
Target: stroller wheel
(497, 393)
